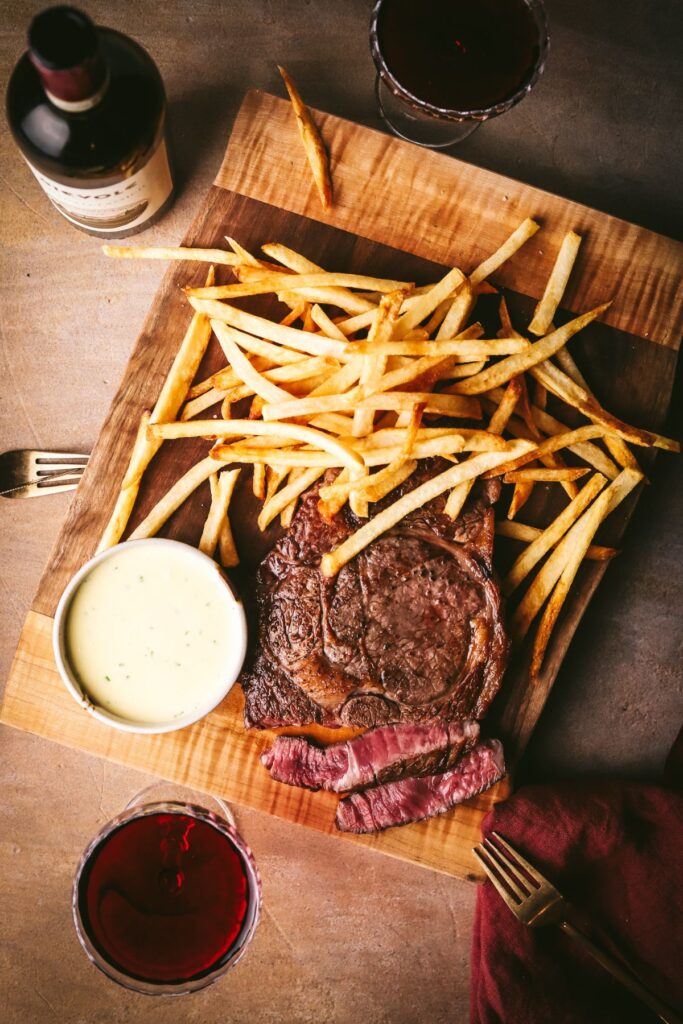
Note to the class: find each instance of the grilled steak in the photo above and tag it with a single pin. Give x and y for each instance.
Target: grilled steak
(398, 803)
(379, 755)
(410, 630)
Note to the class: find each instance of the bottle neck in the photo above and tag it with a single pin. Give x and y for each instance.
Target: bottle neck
(64, 50)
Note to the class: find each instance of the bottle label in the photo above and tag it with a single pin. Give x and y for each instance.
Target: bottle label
(127, 204)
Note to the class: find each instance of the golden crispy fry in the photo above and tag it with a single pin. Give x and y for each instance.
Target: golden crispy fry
(615, 445)
(552, 460)
(297, 313)
(516, 240)
(246, 258)
(281, 499)
(520, 496)
(173, 499)
(222, 485)
(564, 387)
(427, 303)
(374, 363)
(140, 457)
(316, 153)
(581, 532)
(332, 562)
(526, 533)
(438, 317)
(537, 352)
(157, 252)
(444, 404)
(329, 329)
(465, 349)
(275, 476)
(456, 318)
(227, 551)
(557, 282)
(222, 380)
(238, 428)
(505, 409)
(203, 402)
(273, 283)
(245, 370)
(184, 366)
(544, 475)
(289, 337)
(259, 481)
(555, 443)
(506, 328)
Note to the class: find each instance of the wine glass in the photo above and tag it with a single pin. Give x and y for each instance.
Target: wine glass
(444, 67)
(167, 896)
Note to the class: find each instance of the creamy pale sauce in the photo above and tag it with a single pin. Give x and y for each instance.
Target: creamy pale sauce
(148, 634)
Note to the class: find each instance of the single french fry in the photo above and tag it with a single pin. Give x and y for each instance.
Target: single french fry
(443, 404)
(465, 349)
(614, 444)
(438, 317)
(428, 302)
(544, 475)
(281, 499)
(246, 258)
(536, 353)
(237, 428)
(273, 283)
(516, 240)
(245, 370)
(227, 551)
(506, 328)
(184, 366)
(142, 453)
(583, 528)
(297, 313)
(333, 561)
(316, 153)
(506, 407)
(275, 476)
(556, 443)
(289, 337)
(174, 498)
(520, 496)
(259, 480)
(527, 534)
(564, 387)
(222, 380)
(222, 485)
(157, 252)
(456, 318)
(329, 329)
(557, 282)
(374, 364)
(201, 403)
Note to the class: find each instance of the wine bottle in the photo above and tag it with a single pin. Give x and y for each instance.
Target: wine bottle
(87, 108)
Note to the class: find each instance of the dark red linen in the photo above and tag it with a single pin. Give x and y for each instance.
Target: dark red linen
(615, 850)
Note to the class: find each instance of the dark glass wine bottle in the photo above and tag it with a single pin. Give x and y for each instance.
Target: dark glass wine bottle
(87, 108)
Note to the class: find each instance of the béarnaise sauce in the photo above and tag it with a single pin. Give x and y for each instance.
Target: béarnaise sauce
(152, 634)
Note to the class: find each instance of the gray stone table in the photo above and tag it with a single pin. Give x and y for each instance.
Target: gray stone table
(347, 935)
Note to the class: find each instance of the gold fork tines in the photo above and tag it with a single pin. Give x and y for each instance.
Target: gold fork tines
(536, 902)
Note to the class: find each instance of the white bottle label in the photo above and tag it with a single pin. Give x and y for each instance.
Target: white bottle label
(125, 205)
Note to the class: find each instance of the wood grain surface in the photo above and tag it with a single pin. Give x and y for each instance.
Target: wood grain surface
(632, 373)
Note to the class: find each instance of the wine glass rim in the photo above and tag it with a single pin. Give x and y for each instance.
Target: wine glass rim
(537, 8)
(197, 982)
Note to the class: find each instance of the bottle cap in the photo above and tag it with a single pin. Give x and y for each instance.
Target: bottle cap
(64, 49)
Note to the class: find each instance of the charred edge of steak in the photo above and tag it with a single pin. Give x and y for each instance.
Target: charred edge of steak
(380, 755)
(414, 799)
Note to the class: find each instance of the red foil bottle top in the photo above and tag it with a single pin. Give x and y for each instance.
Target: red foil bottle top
(64, 49)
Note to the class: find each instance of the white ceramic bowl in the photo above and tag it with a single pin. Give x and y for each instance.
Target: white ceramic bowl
(235, 622)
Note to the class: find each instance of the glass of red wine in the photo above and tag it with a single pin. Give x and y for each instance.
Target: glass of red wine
(167, 896)
(444, 66)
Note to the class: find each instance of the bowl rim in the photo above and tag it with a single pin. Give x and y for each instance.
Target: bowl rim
(69, 677)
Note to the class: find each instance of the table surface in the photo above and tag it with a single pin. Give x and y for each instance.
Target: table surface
(346, 934)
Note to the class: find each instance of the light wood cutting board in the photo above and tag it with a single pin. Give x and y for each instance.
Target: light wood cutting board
(401, 212)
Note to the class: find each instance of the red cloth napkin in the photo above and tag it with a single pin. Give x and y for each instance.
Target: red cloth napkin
(615, 850)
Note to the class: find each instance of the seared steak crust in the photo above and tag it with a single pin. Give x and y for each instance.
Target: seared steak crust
(410, 630)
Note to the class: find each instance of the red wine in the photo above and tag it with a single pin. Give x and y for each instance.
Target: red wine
(87, 108)
(164, 897)
(459, 55)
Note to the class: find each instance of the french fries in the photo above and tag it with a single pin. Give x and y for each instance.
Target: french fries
(316, 153)
(347, 395)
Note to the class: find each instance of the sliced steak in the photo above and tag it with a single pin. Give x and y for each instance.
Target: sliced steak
(410, 630)
(398, 803)
(379, 755)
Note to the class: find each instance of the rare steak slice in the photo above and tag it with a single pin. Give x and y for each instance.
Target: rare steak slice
(408, 631)
(398, 803)
(379, 755)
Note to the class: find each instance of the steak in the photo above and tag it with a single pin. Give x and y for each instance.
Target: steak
(398, 803)
(379, 755)
(408, 631)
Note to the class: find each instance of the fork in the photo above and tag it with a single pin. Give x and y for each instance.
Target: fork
(27, 473)
(536, 902)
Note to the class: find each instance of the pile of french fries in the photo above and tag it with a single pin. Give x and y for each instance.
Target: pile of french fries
(358, 377)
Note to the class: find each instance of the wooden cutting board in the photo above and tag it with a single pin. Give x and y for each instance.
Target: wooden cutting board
(402, 212)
